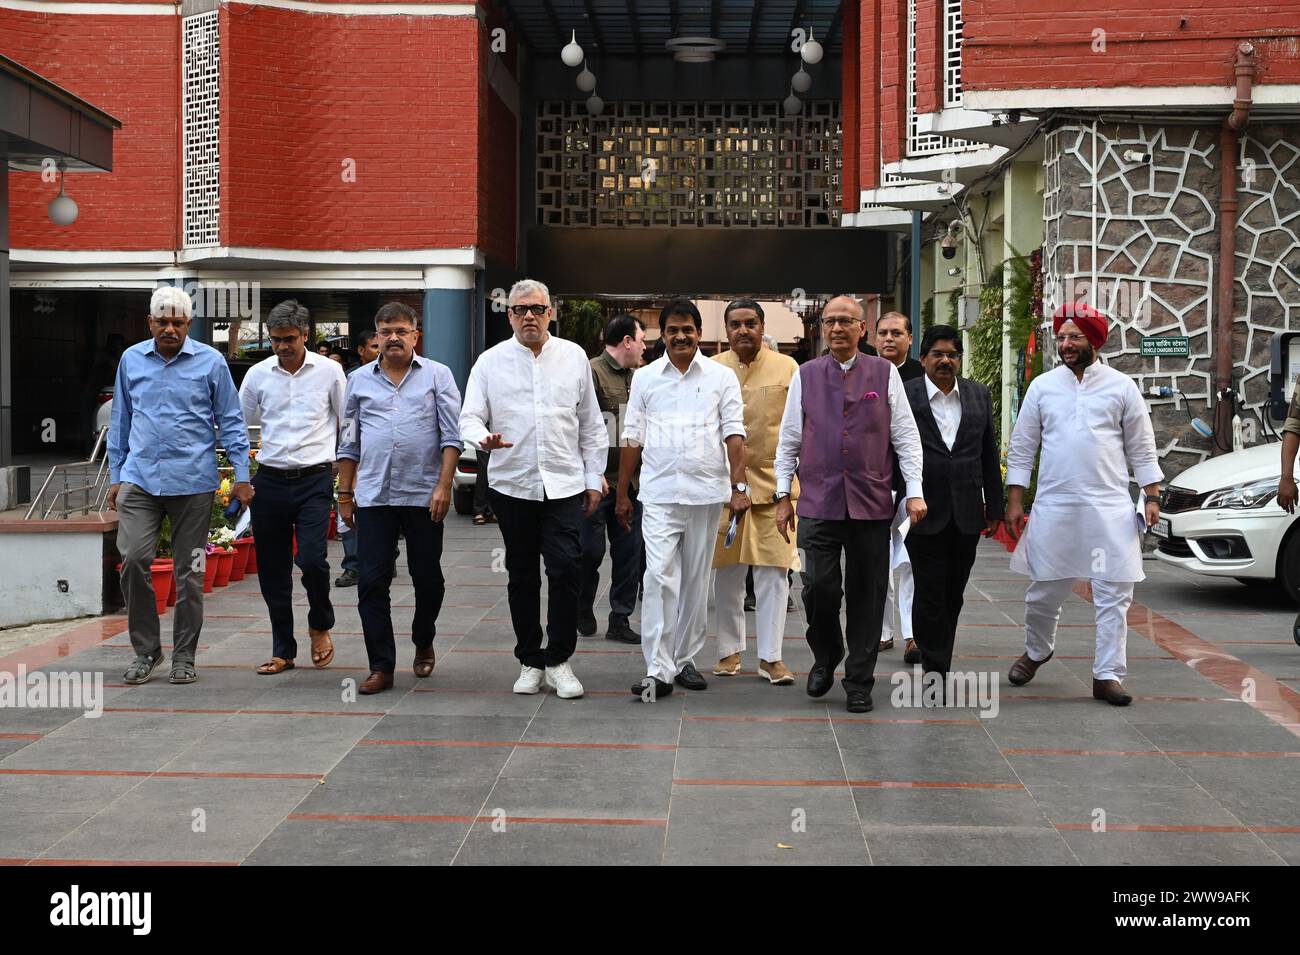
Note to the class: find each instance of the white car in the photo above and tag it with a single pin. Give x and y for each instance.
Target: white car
(1221, 518)
(462, 482)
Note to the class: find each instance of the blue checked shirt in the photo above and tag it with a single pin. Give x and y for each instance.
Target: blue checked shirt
(397, 433)
(163, 433)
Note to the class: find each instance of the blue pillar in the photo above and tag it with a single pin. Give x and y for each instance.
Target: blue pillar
(449, 320)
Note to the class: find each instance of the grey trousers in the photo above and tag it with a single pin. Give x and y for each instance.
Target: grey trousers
(139, 519)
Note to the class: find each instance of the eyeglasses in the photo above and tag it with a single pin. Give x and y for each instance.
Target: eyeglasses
(1062, 339)
(537, 308)
(839, 322)
(398, 332)
(283, 339)
(954, 355)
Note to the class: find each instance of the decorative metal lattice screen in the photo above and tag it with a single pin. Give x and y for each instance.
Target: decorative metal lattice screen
(953, 28)
(925, 144)
(201, 103)
(703, 164)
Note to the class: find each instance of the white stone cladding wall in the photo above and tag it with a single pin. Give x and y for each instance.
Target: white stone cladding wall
(1157, 262)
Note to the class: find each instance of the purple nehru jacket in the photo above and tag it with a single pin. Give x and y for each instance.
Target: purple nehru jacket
(846, 460)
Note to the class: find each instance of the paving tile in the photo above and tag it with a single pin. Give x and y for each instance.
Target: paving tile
(25, 835)
(346, 843)
(883, 807)
(982, 846)
(1170, 848)
(563, 844)
(78, 753)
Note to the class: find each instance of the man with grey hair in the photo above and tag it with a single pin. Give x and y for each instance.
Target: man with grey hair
(531, 401)
(297, 397)
(162, 462)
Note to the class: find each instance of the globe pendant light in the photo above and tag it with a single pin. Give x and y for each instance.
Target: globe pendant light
(802, 81)
(586, 79)
(812, 50)
(62, 209)
(572, 53)
(595, 105)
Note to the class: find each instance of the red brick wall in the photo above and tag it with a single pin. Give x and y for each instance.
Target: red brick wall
(127, 67)
(929, 56)
(868, 93)
(851, 113)
(300, 93)
(893, 80)
(1037, 44)
(498, 171)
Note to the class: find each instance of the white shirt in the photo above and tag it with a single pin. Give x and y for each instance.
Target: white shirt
(545, 406)
(946, 410)
(682, 421)
(902, 432)
(300, 413)
(1083, 522)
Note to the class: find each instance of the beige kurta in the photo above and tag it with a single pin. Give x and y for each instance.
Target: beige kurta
(764, 383)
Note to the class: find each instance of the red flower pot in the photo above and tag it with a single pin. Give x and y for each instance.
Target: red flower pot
(333, 532)
(225, 559)
(242, 548)
(210, 564)
(171, 589)
(251, 566)
(161, 570)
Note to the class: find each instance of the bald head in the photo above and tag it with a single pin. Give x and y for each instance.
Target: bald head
(842, 326)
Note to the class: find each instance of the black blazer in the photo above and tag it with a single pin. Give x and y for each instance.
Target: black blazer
(957, 483)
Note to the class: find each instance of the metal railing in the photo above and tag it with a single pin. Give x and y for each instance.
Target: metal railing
(77, 485)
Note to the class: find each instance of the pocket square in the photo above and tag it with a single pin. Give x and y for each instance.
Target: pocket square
(871, 396)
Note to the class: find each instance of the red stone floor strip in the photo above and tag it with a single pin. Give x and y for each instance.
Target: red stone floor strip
(1147, 752)
(171, 863)
(22, 735)
(1157, 827)
(168, 709)
(90, 634)
(144, 773)
(524, 744)
(821, 719)
(1272, 698)
(854, 783)
(465, 820)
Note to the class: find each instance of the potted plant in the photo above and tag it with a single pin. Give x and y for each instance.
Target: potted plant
(221, 540)
(162, 569)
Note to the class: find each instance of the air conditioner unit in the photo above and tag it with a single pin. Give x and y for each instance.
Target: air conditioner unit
(968, 310)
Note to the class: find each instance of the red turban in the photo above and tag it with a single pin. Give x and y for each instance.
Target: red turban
(1091, 322)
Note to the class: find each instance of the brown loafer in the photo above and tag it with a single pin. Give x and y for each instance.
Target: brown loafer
(424, 659)
(887, 644)
(1023, 670)
(1112, 691)
(376, 682)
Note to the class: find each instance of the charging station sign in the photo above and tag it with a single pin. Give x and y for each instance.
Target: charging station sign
(1167, 346)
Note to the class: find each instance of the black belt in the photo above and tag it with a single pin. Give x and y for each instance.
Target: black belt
(293, 474)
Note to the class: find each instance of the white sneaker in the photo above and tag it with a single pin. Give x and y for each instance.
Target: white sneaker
(530, 680)
(560, 678)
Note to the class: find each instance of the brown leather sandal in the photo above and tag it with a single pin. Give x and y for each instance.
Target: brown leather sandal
(274, 665)
(322, 648)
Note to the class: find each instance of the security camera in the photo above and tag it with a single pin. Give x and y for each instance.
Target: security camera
(948, 247)
(1137, 156)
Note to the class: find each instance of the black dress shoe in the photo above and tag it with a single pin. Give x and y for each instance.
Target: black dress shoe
(622, 632)
(586, 621)
(820, 680)
(690, 679)
(859, 702)
(346, 579)
(1112, 691)
(789, 605)
(643, 689)
(1295, 630)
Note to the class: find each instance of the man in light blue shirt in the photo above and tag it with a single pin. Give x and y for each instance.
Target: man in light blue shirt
(396, 460)
(171, 395)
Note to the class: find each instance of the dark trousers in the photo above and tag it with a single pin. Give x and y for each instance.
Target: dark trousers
(625, 556)
(549, 531)
(481, 506)
(863, 586)
(941, 566)
(281, 508)
(377, 531)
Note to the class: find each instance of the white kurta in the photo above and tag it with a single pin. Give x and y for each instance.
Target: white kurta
(1092, 432)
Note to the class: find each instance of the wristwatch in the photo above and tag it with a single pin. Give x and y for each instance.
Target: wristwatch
(742, 487)
(780, 496)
